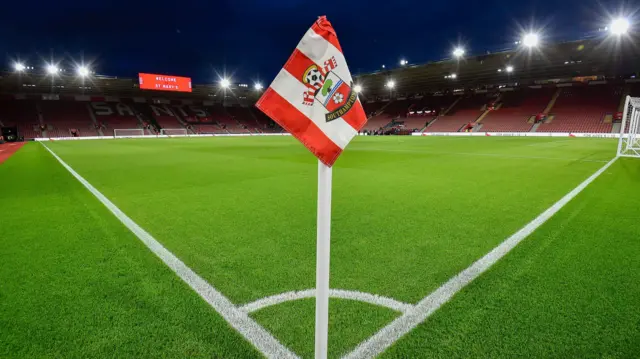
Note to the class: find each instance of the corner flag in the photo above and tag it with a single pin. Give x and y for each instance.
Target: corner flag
(313, 96)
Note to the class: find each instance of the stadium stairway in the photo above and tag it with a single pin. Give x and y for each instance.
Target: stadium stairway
(182, 123)
(92, 116)
(552, 102)
(429, 123)
(517, 110)
(41, 121)
(583, 109)
(616, 127)
(465, 110)
(61, 116)
(453, 104)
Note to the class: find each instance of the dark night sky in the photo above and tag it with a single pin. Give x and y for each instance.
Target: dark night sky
(253, 38)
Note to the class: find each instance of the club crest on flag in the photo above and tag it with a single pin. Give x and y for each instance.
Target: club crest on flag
(313, 96)
(324, 85)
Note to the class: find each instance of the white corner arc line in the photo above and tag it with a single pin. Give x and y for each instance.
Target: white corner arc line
(402, 325)
(374, 299)
(259, 337)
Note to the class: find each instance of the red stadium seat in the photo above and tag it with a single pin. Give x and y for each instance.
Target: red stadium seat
(515, 109)
(582, 109)
(62, 116)
(467, 110)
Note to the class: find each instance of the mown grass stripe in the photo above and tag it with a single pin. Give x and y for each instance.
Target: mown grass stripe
(247, 327)
(388, 335)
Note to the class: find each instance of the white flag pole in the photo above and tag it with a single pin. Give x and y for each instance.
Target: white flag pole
(323, 246)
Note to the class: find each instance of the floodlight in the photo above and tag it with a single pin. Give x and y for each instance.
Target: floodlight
(357, 88)
(83, 71)
(458, 52)
(531, 40)
(391, 84)
(509, 69)
(225, 83)
(257, 86)
(19, 67)
(403, 62)
(619, 26)
(52, 69)
(453, 76)
(383, 66)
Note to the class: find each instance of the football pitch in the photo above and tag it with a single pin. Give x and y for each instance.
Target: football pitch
(239, 213)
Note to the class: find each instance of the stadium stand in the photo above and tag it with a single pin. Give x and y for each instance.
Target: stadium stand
(386, 114)
(377, 122)
(466, 111)
(114, 115)
(583, 109)
(514, 110)
(67, 119)
(22, 114)
(371, 108)
(226, 121)
(163, 115)
(264, 123)
(243, 118)
(575, 86)
(197, 119)
(426, 109)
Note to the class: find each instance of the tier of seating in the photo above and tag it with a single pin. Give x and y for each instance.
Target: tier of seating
(583, 109)
(167, 121)
(417, 123)
(207, 128)
(115, 116)
(390, 110)
(225, 120)
(433, 105)
(243, 118)
(265, 124)
(371, 108)
(22, 114)
(515, 109)
(580, 108)
(67, 118)
(466, 111)
(196, 119)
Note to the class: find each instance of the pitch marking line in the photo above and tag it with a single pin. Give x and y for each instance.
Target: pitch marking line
(374, 299)
(238, 319)
(402, 325)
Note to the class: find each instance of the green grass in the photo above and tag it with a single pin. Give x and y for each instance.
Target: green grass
(570, 290)
(74, 283)
(408, 213)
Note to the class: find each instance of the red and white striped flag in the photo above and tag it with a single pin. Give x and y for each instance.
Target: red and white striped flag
(313, 96)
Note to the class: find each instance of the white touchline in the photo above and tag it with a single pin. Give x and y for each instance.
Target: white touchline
(374, 299)
(240, 320)
(388, 335)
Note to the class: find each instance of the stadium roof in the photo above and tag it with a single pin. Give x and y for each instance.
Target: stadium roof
(528, 65)
(609, 58)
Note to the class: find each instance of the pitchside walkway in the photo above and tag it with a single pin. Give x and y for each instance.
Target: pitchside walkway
(8, 149)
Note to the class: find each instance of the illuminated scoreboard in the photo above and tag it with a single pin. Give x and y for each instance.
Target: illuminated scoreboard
(164, 82)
